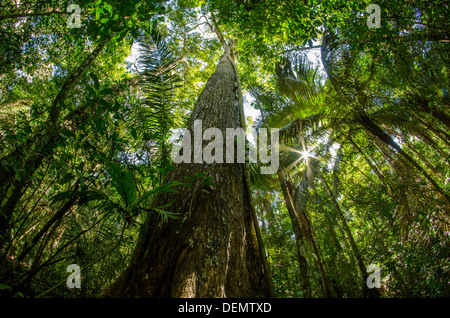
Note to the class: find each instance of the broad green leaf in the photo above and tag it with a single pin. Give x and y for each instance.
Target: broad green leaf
(95, 79)
(133, 133)
(106, 91)
(164, 188)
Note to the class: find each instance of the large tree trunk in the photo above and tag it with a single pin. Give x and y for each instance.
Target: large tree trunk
(211, 249)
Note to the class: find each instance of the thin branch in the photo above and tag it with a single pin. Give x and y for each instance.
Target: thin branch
(31, 14)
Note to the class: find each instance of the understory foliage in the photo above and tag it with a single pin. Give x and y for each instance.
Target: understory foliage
(364, 118)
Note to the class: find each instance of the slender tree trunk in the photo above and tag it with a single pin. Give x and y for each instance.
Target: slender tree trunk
(299, 239)
(60, 213)
(308, 233)
(299, 200)
(348, 232)
(437, 114)
(439, 133)
(211, 249)
(376, 131)
(373, 166)
(29, 157)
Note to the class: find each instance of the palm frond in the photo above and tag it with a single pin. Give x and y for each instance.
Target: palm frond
(158, 68)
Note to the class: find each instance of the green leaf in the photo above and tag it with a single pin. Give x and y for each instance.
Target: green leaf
(64, 195)
(100, 125)
(106, 91)
(66, 178)
(85, 196)
(133, 133)
(209, 183)
(166, 214)
(95, 79)
(130, 189)
(91, 91)
(164, 188)
(146, 136)
(104, 103)
(123, 183)
(67, 133)
(3, 286)
(200, 174)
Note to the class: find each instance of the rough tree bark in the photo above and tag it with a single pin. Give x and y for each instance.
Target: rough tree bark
(211, 249)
